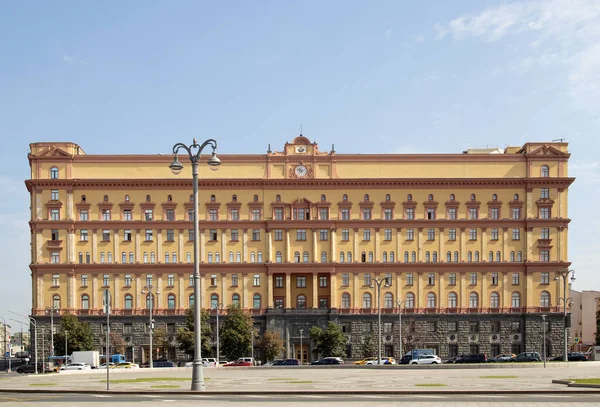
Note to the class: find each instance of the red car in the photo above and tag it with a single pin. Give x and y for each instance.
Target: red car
(238, 363)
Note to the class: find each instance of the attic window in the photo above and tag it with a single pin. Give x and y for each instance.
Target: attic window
(213, 198)
(126, 198)
(255, 198)
(169, 198)
(234, 198)
(148, 198)
(452, 197)
(83, 198)
(105, 198)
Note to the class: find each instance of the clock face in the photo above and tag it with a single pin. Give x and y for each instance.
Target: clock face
(301, 171)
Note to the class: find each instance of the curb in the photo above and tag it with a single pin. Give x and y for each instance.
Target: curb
(571, 383)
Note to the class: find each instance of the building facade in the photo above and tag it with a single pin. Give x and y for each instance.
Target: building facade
(468, 244)
(584, 318)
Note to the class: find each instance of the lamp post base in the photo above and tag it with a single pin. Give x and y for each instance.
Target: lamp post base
(197, 377)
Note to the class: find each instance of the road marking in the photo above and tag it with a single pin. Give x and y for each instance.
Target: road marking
(311, 396)
(100, 395)
(150, 395)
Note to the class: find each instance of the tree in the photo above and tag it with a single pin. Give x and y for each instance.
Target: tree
(331, 342)
(236, 333)
(368, 347)
(271, 346)
(185, 336)
(117, 343)
(160, 342)
(79, 336)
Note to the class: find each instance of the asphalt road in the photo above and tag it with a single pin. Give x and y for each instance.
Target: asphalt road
(438, 400)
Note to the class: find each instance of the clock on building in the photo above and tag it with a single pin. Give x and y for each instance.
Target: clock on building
(301, 171)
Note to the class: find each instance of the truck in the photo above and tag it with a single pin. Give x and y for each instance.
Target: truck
(91, 357)
(117, 358)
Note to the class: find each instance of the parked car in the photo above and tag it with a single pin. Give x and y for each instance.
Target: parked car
(384, 361)
(238, 363)
(328, 361)
(405, 360)
(30, 368)
(363, 361)
(528, 357)
(572, 357)
(252, 361)
(503, 357)
(287, 362)
(455, 358)
(211, 362)
(426, 360)
(127, 365)
(103, 366)
(473, 358)
(76, 366)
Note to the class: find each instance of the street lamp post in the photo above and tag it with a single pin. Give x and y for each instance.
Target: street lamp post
(399, 304)
(66, 349)
(5, 362)
(147, 290)
(544, 337)
(565, 274)
(378, 283)
(194, 152)
(32, 321)
(218, 309)
(51, 310)
(301, 350)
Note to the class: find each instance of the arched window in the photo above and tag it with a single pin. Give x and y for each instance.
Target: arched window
(128, 301)
(105, 199)
(127, 198)
(472, 197)
(171, 301)
(214, 301)
(545, 299)
(388, 197)
(174, 257)
(323, 198)
(494, 197)
(366, 300)
(277, 198)
(305, 257)
(296, 257)
(56, 301)
(515, 197)
(301, 301)
(452, 197)
(124, 257)
(234, 198)
(498, 256)
(431, 300)
(519, 256)
(512, 256)
(235, 300)
(323, 257)
(470, 257)
(85, 301)
(545, 171)
(344, 198)
(231, 257)
(392, 257)
(409, 197)
(430, 197)
(80, 257)
(349, 257)
(452, 300)
(370, 257)
(152, 258)
(278, 257)
(341, 257)
(477, 256)
(473, 300)
(384, 257)
(494, 300)
(169, 198)
(456, 257)
(191, 301)
(213, 198)
(259, 257)
(515, 300)
(191, 198)
(346, 300)
(188, 257)
(131, 257)
(102, 258)
(83, 198)
(366, 197)
(406, 257)
(210, 257)
(217, 257)
(413, 257)
(449, 257)
(150, 302)
(427, 257)
(252, 257)
(410, 300)
(148, 198)
(388, 300)
(434, 257)
(166, 257)
(491, 257)
(54, 173)
(256, 303)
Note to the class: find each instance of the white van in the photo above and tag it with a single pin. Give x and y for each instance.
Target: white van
(212, 362)
(250, 360)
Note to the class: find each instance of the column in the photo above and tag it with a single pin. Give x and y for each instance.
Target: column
(223, 299)
(202, 246)
(463, 245)
(138, 255)
(441, 283)
(442, 239)
(484, 253)
(483, 300)
(181, 293)
(398, 288)
(505, 295)
(418, 296)
(463, 300)
(202, 291)
(398, 254)
(69, 209)
(73, 294)
(244, 290)
(315, 290)
(39, 245)
(288, 290)
(529, 245)
(245, 245)
(333, 291)
(138, 294)
(180, 248)
(269, 291)
(315, 255)
(116, 295)
(69, 303)
(420, 244)
(94, 246)
(117, 255)
(158, 289)
(355, 300)
(269, 256)
(334, 254)
(376, 249)
(223, 243)
(505, 254)
(94, 291)
(355, 245)
(287, 249)
(529, 204)
(159, 255)
(40, 292)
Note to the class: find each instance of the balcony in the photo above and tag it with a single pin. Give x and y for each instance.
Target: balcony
(54, 244)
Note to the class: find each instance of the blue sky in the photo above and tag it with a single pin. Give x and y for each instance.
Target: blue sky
(376, 77)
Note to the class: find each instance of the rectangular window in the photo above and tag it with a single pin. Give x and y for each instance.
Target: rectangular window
(452, 326)
(387, 214)
(171, 280)
(105, 280)
(367, 279)
(170, 235)
(494, 278)
(55, 280)
(452, 213)
(300, 234)
(213, 214)
(473, 234)
(345, 280)
(410, 213)
(213, 280)
(409, 278)
(545, 193)
(190, 214)
(545, 278)
(55, 257)
(127, 235)
(366, 213)
(170, 214)
(148, 214)
(515, 326)
(516, 213)
(278, 234)
(84, 280)
(495, 327)
(473, 278)
(256, 280)
(83, 214)
(387, 234)
(322, 281)
(452, 279)
(472, 213)
(279, 214)
(191, 235)
(387, 327)
(212, 235)
(324, 234)
(323, 213)
(54, 214)
(545, 255)
(431, 326)
(105, 214)
(300, 282)
(430, 213)
(431, 279)
(83, 235)
(345, 214)
(234, 280)
(515, 278)
(278, 281)
(366, 234)
(494, 234)
(366, 327)
(473, 327)
(430, 234)
(234, 214)
(149, 235)
(127, 280)
(255, 234)
(127, 214)
(345, 234)
(106, 235)
(516, 234)
(255, 214)
(54, 195)
(545, 233)
(234, 234)
(410, 234)
(452, 234)
(545, 213)
(494, 213)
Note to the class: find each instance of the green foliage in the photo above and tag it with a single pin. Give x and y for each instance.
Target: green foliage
(236, 334)
(79, 336)
(368, 347)
(331, 342)
(185, 336)
(271, 346)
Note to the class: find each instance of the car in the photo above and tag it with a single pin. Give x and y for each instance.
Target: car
(473, 358)
(103, 366)
(126, 365)
(455, 358)
(275, 362)
(363, 361)
(286, 362)
(252, 361)
(426, 360)
(163, 363)
(328, 361)
(210, 362)
(503, 357)
(76, 366)
(384, 361)
(572, 357)
(238, 363)
(527, 357)
(30, 368)
(405, 360)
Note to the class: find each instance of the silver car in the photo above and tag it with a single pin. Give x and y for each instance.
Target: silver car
(426, 360)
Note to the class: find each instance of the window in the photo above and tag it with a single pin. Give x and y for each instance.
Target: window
(106, 235)
(349, 257)
(410, 234)
(323, 257)
(345, 234)
(190, 214)
(191, 301)
(387, 234)
(88, 258)
(54, 195)
(473, 278)
(456, 257)
(430, 213)
(452, 279)
(341, 257)
(323, 213)
(387, 327)
(545, 255)
(545, 171)
(300, 234)
(452, 234)
(544, 193)
(452, 300)
(345, 280)
(55, 214)
(55, 257)
(545, 233)
(83, 214)
(56, 301)
(366, 234)
(148, 214)
(255, 214)
(494, 235)
(322, 281)
(212, 235)
(430, 234)
(410, 213)
(452, 326)
(519, 256)
(516, 234)
(83, 235)
(234, 214)
(305, 257)
(345, 300)
(470, 257)
(476, 256)
(491, 257)
(431, 279)
(410, 300)
(515, 301)
(452, 213)
(472, 213)
(494, 278)
(516, 213)
(366, 212)
(256, 301)
(473, 300)
(409, 278)
(473, 234)
(149, 234)
(388, 279)
(278, 257)
(515, 326)
(427, 257)
(188, 257)
(387, 213)
(545, 278)
(431, 300)
(255, 234)
(256, 280)
(278, 234)
(54, 173)
(301, 301)
(366, 300)
(544, 299)
(494, 213)
(494, 300)
(170, 214)
(171, 280)
(545, 213)
(278, 214)
(367, 279)
(324, 234)
(300, 282)
(105, 280)
(171, 301)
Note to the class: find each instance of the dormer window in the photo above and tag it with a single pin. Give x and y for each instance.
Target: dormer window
(323, 198)
(105, 198)
(148, 198)
(213, 198)
(494, 197)
(83, 198)
(388, 197)
(234, 198)
(366, 197)
(452, 197)
(344, 198)
(409, 197)
(169, 198)
(255, 198)
(126, 198)
(545, 171)
(277, 198)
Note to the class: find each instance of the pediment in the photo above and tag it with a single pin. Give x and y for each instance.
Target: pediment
(53, 151)
(301, 201)
(548, 151)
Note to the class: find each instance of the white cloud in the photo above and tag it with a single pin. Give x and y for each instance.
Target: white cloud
(70, 60)
(564, 32)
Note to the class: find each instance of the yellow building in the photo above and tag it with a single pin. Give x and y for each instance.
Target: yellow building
(468, 243)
